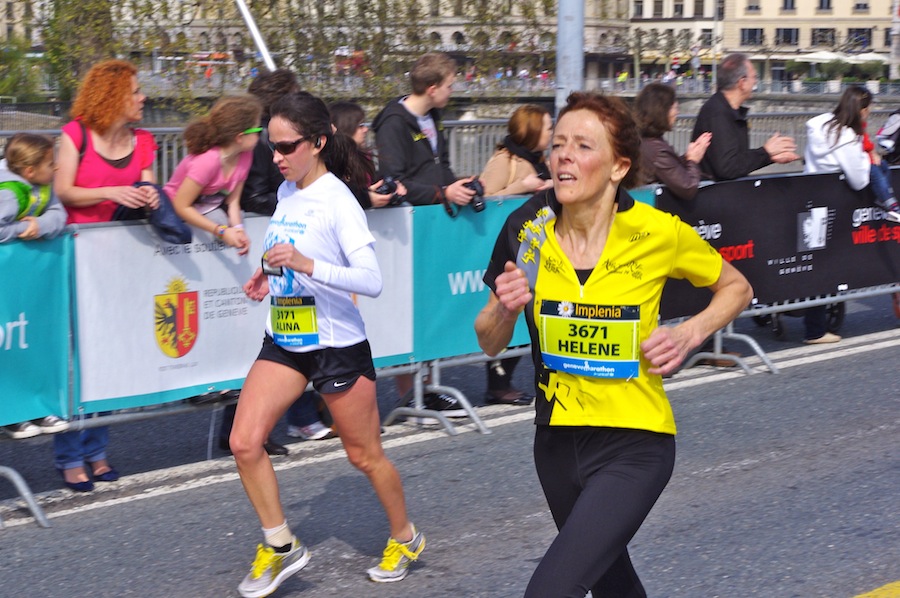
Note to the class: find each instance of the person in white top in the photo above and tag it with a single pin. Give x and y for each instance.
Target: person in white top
(318, 252)
(838, 142)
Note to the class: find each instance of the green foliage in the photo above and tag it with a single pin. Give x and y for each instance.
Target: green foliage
(798, 69)
(78, 33)
(19, 75)
(834, 69)
(869, 70)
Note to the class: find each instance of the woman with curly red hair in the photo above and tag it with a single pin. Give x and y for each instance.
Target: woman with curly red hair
(105, 172)
(101, 156)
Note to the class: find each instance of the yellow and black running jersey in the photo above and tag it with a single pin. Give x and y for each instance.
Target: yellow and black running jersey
(586, 331)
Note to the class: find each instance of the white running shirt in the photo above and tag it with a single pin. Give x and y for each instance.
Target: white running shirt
(326, 223)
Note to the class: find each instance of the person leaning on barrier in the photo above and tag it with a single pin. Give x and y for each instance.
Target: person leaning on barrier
(318, 254)
(105, 167)
(517, 167)
(207, 184)
(412, 149)
(837, 141)
(29, 210)
(586, 265)
(729, 155)
(655, 110)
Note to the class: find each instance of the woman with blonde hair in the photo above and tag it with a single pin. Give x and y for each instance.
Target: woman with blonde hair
(212, 175)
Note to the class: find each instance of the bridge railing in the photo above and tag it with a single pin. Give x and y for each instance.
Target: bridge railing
(472, 142)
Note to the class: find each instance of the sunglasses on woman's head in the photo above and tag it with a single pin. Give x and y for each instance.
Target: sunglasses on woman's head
(285, 148)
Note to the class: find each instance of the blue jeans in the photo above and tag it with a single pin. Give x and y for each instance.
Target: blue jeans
(72, 449)
(303, 411)
(880, 181)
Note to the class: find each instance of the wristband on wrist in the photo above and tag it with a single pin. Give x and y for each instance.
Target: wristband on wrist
(238, 227)
(220, 231)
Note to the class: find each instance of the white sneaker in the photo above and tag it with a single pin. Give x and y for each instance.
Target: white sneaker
(22, 430)
(52, 424)
(396, 558)
(270, 568)
(314, 431)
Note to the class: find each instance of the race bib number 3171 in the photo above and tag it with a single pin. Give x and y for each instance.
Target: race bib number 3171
(590, 340)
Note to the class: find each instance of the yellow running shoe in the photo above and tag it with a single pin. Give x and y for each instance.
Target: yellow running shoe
(270, 568)
(396, 559)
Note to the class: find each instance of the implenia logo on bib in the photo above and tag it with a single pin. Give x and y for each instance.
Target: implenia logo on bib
(176, 318)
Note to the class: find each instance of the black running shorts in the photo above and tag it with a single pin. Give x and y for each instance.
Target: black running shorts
(331, 370)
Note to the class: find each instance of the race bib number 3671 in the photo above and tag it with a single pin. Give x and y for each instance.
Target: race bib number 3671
(601, 341)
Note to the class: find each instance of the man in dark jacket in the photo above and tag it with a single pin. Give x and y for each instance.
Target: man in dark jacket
(412, 148)
(729, 155)
(264, 177)
(410, 138)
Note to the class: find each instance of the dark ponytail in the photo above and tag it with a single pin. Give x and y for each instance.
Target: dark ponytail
(309, 116)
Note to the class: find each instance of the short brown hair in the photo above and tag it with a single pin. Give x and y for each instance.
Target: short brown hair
(103, 93)
(271, 85)
(620, 127)
(430, 69)
(651, 109)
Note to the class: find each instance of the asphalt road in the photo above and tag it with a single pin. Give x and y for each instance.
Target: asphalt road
(785, 485)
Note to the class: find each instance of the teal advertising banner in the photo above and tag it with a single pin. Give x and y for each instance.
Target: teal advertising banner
(35, 315)
(449, 260)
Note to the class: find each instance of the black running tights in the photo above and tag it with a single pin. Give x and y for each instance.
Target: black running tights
(600, 484)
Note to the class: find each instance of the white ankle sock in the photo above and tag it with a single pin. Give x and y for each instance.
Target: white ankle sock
(278, 536)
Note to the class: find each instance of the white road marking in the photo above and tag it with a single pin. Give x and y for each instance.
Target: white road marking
(13, 512)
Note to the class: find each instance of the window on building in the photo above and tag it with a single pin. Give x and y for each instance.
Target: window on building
(787, 37)
(887, 38)
(861, 6)
(788, 5)
(751, 37)
(824, 4)
(752, 5)
(678, 10)
(658, 9)
(699, 8)
(435, 8)
(823, 37)
(720, 9)
(859, 38)
(638, 9)
(457, 8)
(706, 38)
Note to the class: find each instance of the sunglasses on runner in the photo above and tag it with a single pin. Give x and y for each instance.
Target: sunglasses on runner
(285, 148)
